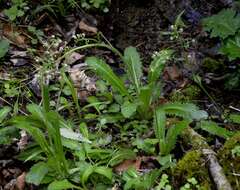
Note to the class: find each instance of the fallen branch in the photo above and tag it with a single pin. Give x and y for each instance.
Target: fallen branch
(216, 171)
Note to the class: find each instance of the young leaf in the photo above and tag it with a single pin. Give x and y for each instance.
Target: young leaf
(4, 112)
(134, 66)
(61, 185)
(37, 173)
(103, 70)
(214, 129)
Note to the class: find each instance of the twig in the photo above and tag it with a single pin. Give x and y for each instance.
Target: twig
(199, 143)
(236, 109)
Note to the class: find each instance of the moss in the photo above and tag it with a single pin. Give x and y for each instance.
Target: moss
(230, 163)
(185, 95)
(192, 165)
(212, 65)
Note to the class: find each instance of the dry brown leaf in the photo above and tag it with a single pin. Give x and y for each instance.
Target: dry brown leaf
(172, 72)
(14, 35)
(20, 184)
(128, 163)
(73, 58)
(23, 140)
(85, 27)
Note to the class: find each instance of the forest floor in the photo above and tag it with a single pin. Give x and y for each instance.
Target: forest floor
(47, 49)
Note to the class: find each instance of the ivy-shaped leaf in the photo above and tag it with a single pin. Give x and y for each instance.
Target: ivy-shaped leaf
(223, 24)
(231, 47)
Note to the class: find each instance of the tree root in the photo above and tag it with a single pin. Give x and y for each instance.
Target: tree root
(216, 171)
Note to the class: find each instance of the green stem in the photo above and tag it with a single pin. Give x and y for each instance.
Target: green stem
(114, 50)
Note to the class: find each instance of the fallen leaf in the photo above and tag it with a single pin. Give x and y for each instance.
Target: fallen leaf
(128, 163)
(172, 72)
(73, 58)
(23, 140)
(14, 35)
(85, 27)
(20, 184)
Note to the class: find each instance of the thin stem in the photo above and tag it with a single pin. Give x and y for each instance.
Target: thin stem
(114, 50)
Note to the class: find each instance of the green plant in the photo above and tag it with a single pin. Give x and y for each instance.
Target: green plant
(16, 10)
(133, 180)
(7, 133)
(236, 151)
(140, 100)
(176, 33)
(53, 137)
(97, 4)
(235, 118)
(51, 148)
(192, 183)
(37, 34)
(213, 128)
(226, 26)
(64, 7)
(144, 95)
(164, 183)
(4, 46)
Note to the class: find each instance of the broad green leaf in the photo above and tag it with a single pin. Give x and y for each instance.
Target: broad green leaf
(145, 99)
(157, 65)
(184, 110)
(223, 24)
(14, 12)
(62, 185)
(149, 179)
(214, 129)
(103, 70)
(37, 173)
(128, 109)
(4, 46)
(3, 113)
(231, 47)
(120, 155)
(86, 174)
(104, 171)
(134, 66)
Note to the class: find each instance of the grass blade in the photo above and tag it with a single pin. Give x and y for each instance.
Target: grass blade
(103, 70)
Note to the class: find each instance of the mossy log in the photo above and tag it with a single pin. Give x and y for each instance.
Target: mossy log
(199, 143)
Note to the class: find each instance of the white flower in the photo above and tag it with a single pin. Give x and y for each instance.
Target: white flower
(181, 30)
